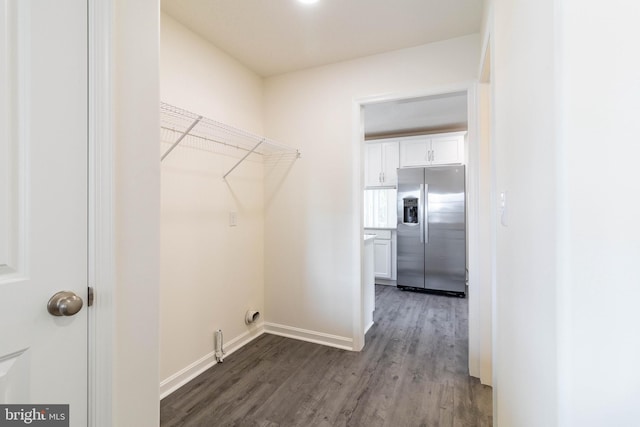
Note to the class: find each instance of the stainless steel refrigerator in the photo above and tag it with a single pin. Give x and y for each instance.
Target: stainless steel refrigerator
(432, 229)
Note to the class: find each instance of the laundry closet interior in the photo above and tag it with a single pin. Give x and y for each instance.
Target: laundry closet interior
(215, 158)
(262, 178)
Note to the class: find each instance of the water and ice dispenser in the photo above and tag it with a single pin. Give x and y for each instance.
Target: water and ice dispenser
(410, 210)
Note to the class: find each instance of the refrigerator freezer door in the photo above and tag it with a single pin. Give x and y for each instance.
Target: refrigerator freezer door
(410, 216)
(445, 252)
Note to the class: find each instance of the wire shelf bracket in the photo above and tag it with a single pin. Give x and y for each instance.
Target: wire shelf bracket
(179, 140)
(185, 124)
(242, 159)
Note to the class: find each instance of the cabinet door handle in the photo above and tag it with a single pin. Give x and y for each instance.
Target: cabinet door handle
(380, 177)
(383, 177)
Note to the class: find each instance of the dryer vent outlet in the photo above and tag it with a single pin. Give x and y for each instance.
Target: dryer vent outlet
(251, 317)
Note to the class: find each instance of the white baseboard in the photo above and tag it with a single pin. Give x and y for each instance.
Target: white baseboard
(368, 327)
(180, 378)
(386, 282)
(309, 336)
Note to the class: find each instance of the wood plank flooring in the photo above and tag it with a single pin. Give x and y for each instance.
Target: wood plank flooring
(412, 372)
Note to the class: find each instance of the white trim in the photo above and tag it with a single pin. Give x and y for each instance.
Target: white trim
(182, 377)
(357, 292)
(101, 268)
(386, 282)
(8, 59)
(484, 69)
(420, 93)
(14, 267)
(359, 103)
(565, 314)
(358, 179)
(475, 290)
(494, 216)
(336, 341)
(366, 329)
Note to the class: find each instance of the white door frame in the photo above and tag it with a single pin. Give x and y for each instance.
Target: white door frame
(485, 71)
(357, 141)
(101, 213)
(358, 222)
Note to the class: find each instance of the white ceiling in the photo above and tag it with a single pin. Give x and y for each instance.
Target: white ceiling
(278, 36)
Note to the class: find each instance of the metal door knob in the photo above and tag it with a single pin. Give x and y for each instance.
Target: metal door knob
(64, 303)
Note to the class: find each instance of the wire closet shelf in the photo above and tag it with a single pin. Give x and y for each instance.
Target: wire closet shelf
(180, 126)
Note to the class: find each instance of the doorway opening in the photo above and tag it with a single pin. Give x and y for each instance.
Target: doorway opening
(380, 121)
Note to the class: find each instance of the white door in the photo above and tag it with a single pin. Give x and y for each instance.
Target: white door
(43, 202)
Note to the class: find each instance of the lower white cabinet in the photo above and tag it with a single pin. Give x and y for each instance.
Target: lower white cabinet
(382, 258)
(368, 291)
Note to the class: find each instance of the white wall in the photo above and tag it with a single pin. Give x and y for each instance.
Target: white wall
(211, 273)
(197, 76)
(137, 206)
(599, 211)
(566, 126)
(526, 167)
(312, 253)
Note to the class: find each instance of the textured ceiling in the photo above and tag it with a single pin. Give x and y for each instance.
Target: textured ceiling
(277, 36)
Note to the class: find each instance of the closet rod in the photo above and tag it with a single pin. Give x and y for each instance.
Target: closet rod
(242, 159)
(184, 134)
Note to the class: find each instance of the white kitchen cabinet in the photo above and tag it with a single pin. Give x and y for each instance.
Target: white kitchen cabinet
(415, 152)
(368, 290)
(381, 164)
(382, 258)
(430, 150)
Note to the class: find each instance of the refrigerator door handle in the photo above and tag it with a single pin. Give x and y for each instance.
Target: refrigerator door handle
(425, 211)
(421, 207)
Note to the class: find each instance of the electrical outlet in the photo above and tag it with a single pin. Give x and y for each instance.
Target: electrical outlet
(233, 219)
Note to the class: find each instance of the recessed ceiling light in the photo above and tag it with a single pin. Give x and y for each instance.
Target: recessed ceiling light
(308, 1)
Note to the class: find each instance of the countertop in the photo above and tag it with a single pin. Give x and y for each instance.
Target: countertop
(369, 237)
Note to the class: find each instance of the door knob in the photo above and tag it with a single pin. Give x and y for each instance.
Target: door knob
(64, 303)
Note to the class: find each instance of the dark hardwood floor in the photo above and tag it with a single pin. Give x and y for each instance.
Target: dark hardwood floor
(412, 372)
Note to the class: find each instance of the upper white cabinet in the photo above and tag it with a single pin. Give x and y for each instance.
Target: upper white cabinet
(381, 164)
(415, 152)
(428, 150)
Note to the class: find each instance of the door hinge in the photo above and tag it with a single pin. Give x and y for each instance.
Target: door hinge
(90, 297)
